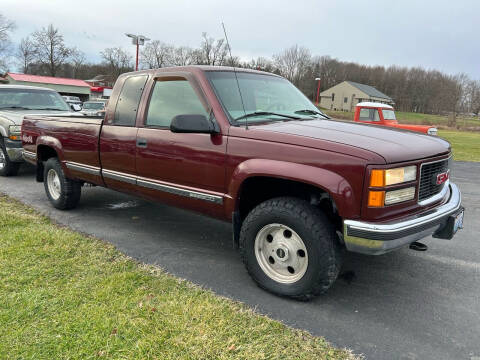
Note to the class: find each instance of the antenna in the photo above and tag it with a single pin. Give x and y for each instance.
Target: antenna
(236, 78)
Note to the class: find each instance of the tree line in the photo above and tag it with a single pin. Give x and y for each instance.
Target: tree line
(415, 89)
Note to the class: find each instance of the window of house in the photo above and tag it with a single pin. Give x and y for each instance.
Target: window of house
(345, 100)
(171, 98)
(128, 100)
(333, 96)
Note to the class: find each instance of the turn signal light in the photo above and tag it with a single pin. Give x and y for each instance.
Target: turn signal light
(14, 137)
(377, 178)
(376, 198)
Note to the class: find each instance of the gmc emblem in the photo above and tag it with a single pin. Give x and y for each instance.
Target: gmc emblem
(443, 177)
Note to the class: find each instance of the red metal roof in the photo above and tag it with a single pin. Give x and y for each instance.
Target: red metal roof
(48, 80)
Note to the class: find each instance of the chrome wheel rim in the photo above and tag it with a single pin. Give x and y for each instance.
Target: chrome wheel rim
(281, 253)
(53, 183)
(3, 160)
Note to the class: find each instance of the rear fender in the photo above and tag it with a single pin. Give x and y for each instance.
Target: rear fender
(56, 145)
(335, 185)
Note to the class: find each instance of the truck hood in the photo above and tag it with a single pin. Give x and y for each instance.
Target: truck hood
(16, 116)
(394, 145)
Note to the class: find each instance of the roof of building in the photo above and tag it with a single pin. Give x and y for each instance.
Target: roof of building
(374, 104)
(24, 87)
(47, 80)
(369, 90)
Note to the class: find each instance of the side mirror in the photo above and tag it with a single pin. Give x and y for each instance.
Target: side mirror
(76, 107)
(195, 123)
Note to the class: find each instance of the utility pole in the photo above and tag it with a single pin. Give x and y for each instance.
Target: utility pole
(318, 89)
(137, 40)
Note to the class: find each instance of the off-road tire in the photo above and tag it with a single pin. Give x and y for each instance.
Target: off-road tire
(316, 232)
(10, 168)
(70, 190)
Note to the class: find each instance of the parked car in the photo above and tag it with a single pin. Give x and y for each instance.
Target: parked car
(249, 148)
(94, 108)
(74, 101)
(16, 101)
(383, 114)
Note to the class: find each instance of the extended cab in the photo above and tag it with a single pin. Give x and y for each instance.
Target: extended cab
(16, 101)
(249, 148)
(383, 114)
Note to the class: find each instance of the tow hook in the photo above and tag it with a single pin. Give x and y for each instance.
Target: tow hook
(418, 246)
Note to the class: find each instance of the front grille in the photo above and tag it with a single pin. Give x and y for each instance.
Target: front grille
(428, 176)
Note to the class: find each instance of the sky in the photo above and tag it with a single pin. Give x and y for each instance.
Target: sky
(433, 34)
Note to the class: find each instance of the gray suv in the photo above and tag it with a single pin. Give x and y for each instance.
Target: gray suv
(16, 101)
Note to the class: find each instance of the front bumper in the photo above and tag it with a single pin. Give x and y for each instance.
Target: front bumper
(376, 239)
(14, 149)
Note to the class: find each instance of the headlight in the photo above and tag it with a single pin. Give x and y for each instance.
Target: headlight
(432, 131)
(380, 178)
(397, 196)
(14, 132)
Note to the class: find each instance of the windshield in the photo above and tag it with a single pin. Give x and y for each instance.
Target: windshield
(93, 106)
(30, 99)
(264, 97)
(388, 114)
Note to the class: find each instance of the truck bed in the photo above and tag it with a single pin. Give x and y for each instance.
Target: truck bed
(56, 132)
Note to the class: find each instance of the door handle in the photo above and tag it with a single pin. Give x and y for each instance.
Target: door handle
(142, 143)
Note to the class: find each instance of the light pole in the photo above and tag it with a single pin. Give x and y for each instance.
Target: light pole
(137, 40)
(318, 89)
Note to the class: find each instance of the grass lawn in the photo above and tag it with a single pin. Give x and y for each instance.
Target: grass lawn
(64, 295)
(465, 145)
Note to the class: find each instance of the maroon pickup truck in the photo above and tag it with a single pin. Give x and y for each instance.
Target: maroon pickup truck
(248, 147)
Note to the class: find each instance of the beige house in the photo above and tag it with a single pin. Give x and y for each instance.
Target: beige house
(347, 94)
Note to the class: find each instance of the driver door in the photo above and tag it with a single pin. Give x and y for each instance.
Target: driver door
(179, 167)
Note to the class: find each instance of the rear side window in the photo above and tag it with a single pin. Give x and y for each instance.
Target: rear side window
(127, 105)
(171, 98)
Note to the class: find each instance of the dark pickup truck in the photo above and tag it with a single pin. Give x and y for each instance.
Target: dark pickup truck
(248, 147)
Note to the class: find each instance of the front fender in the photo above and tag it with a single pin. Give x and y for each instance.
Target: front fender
(335, 185)
(4, 124)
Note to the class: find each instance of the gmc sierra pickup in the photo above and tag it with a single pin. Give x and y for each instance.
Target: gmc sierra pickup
(248, 147)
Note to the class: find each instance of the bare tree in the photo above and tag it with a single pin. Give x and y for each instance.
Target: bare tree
(51, 51)
(293, 62)
(457, 89)
(6, 27)
(211, 52)
(157, 54)
(26, 54)
(116, 60)
(181, 56)
(77, 59)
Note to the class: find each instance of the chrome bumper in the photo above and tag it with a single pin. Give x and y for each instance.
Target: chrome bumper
(376, 239)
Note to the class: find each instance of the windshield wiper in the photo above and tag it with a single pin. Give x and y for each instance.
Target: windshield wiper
(312, 112)
(15, 107)
(259, 113)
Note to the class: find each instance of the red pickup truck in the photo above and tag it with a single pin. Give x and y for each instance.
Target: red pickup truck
(383, 114)
(248, 147)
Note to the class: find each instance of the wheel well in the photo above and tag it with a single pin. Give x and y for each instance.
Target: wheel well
(44, 153)
(256, 190)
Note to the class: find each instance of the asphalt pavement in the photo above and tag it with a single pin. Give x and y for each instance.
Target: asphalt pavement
(402, 305)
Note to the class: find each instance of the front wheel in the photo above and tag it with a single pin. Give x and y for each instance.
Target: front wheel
(63, 193)
(290, 248)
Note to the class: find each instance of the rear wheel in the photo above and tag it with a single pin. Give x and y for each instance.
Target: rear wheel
(62, 192)
(7, 168)
(290, 248)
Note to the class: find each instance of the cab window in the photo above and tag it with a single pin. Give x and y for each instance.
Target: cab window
(171, 98)
(369, 115)
(128, 101)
